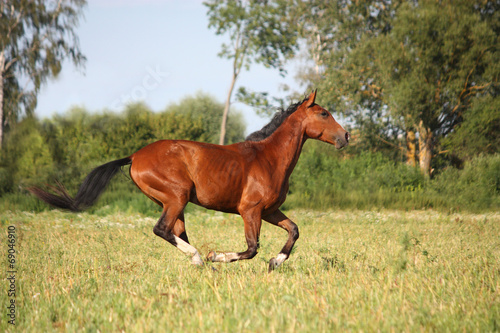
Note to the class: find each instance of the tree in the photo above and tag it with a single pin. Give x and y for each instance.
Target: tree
(201, 112)
(36, 36)
(415, 65)
(258, 32)
(438, 57)
(333, 33)
(480, 130)
(29, 158)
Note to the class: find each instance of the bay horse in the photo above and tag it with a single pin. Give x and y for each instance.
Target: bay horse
(249, 178)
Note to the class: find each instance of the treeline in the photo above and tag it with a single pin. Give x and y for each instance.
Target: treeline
(364, 179)
(415, 77)
(417, 82)
(66, 147)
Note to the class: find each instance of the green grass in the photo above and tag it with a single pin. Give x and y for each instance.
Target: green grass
(351, 271)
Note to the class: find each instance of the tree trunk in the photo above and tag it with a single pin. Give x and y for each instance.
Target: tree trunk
(425, 145)
(411, 148)
(226, 111)
(2, 65)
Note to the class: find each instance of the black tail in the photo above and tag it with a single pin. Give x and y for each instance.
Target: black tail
(92, 187)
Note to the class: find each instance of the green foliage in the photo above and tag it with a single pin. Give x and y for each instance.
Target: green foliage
(203, 113)
(36, 37)
(443, 48)
(477, 186)
(260, 101)
(333, 31)
(398, 66)
(324, 179)
(256, 31)
(67, 147)
(26, 158)
(480, 131)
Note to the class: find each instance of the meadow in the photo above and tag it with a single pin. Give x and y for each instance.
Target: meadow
(389, 271)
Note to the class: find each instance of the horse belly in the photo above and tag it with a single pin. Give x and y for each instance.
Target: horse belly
(217, 194)
(218, 185)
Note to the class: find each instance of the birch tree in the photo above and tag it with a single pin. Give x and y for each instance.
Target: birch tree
(258, 32)
(36, 36)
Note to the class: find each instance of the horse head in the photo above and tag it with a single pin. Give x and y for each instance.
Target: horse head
(320, 124)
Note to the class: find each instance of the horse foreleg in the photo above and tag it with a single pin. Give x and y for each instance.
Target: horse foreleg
(279, 219)
(253, 223)
(171, 228)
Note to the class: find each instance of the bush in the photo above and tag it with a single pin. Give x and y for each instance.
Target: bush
(68, 148)
(325, 179)
(476, 187)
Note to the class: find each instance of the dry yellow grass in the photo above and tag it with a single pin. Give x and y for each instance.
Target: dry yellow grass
(351, 270)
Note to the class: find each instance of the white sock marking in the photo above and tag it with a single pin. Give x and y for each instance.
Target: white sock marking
(280, 258)
(225, 257)
(189, 250)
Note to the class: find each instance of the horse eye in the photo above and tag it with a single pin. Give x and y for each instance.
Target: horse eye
(324, 114)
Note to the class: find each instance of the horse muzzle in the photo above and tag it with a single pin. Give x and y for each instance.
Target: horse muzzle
(342, 141)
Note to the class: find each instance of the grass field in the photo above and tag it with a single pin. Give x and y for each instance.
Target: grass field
(351, 271)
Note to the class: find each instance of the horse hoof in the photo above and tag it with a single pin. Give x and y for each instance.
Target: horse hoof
(273, 263)
(211, 256)
(196, 261)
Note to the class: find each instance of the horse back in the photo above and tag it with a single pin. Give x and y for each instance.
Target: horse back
(208, 175)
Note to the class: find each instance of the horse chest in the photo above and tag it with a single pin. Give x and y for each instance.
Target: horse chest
(274, 196)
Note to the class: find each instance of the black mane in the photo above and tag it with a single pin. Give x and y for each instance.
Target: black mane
(278, 119)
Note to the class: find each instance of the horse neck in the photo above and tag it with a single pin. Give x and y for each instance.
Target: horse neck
(284, 146)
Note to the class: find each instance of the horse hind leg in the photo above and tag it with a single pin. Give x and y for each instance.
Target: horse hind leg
(233, 256)
(171, 228)
(180, 228)
(223, 257)
(279, 219)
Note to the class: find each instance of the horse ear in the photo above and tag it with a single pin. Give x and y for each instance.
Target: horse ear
(311, 98)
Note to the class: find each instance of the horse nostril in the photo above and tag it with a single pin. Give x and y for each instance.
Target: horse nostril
(347, 136)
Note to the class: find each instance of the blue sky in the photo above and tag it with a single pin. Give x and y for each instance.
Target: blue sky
(157, 51)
